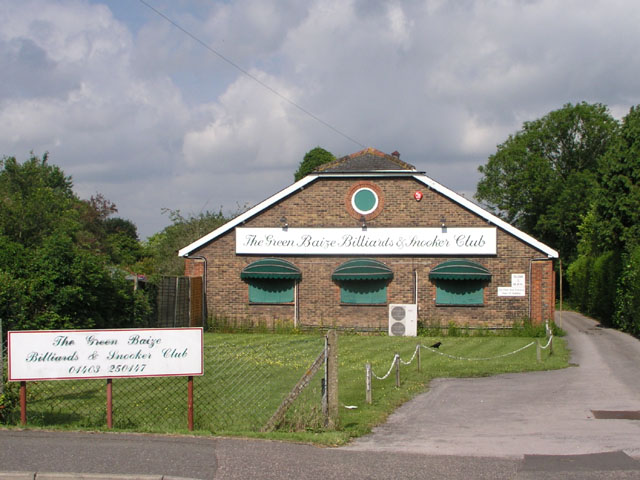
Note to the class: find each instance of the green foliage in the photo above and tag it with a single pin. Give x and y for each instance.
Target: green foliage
(616, 208)
(219, 324)
(578, 276)
(57, 253)
(593, 281)
(13, 299)
(602, 287)
(526, 328)
(522, 328)
(454, 330)
(161, 249)
(429, 328)
(34, 197)
(542, 178)
(603, 279)
(312, 160)
(627, 315)
(594, 284)
(114, 237)
(121, 241)
(10, 403)
(598, 289)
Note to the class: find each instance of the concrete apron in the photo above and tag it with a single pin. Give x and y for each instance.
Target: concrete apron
(539, 413)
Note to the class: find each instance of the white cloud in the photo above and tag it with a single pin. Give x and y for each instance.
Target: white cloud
(134, 108)
(102, 124)
(248, 123)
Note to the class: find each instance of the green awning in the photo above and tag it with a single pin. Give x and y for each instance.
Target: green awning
(274, 268)
(459, 270)
(362, 269)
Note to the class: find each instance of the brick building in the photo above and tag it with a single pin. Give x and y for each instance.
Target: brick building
(362, 234)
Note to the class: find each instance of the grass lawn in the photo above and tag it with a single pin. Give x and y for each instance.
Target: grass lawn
(247, 376)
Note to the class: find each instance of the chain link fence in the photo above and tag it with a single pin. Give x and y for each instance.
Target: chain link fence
(246, 377)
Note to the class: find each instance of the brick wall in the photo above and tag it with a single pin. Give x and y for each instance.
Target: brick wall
(194, 267)
(543, 290)
(322, 204)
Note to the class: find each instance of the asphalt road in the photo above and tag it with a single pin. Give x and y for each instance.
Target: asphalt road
(543, 413)
(526, 426)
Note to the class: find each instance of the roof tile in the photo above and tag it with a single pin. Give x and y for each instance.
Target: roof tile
(367, 160)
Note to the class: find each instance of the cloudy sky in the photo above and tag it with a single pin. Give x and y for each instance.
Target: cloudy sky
(147, 114)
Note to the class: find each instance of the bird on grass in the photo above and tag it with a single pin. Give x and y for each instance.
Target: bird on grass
(436, 345)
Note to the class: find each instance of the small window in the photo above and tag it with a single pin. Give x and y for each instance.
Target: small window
(364, 200)
(460, 282)
(364, 292)
(363, 281)
(271, 291)
(271, 280)
(460, 292)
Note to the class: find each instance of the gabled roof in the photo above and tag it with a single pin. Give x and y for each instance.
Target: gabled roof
(349, 166)
(367, 160)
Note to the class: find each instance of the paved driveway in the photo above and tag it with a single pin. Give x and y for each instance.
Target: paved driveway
(544, 413)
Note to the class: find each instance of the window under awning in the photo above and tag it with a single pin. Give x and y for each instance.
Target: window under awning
(274, 268)
(460, 270)
(362, 269)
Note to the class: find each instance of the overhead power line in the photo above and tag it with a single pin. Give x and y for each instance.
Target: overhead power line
(248, 74)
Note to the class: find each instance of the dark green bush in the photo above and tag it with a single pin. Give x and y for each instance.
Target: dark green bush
(9, 403)
(593, 282)
(603, 283)
(627, 315)
(578, 276)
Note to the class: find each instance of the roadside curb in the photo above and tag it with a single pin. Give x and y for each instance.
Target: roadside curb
(82, 476)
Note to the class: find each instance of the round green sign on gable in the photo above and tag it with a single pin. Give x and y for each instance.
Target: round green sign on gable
(364, 200)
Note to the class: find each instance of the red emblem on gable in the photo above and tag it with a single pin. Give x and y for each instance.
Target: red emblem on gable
(417, 195)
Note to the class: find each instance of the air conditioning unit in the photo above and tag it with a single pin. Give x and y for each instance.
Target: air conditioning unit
(403, 320)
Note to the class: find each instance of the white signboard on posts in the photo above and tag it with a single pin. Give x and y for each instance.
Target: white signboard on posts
(82, 354)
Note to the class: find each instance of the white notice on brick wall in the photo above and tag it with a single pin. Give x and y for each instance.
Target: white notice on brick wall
(517, 288)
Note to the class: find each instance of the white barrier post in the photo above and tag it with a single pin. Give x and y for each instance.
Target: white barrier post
(397, 371)
(368, 382)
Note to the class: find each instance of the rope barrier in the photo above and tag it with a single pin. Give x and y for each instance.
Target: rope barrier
(396, 356)
(478, 358)
(414, 356)
(397, 360)
(548, 343)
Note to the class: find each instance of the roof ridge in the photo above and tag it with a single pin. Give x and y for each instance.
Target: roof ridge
(366, 151)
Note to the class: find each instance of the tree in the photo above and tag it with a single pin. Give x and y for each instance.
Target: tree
(55, 271)
(113, 236)
(161, 249)
(121, 241)
(627, 316)
(610, 235)
(616, 206)
(542, 178)
(34, 196)
(312, 160)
